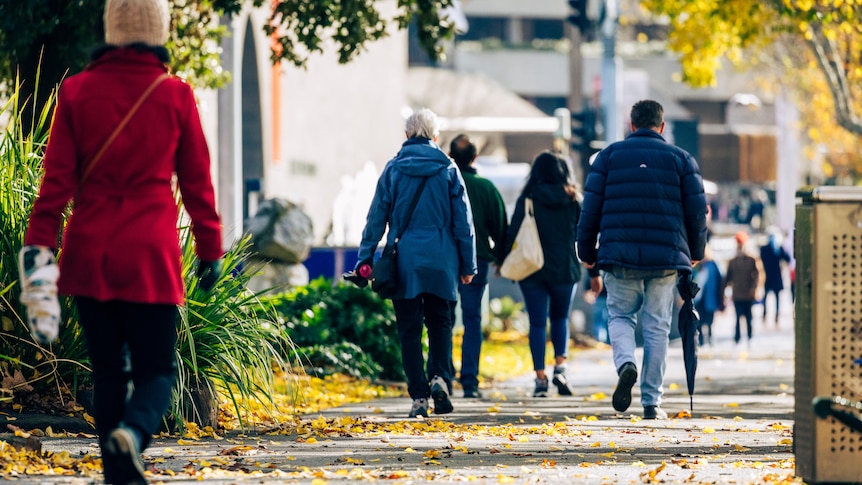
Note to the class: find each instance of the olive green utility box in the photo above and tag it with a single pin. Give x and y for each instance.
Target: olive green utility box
(828, 251)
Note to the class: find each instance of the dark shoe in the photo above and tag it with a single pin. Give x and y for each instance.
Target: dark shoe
(121, 458)
(654, 412)
(623, 393)
(440, 393)
(541, 389)
(472, 393)
(561, 382)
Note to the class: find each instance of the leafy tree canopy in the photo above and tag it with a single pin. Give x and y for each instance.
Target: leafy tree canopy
(812, 46)
(705, 31)
(54, 37)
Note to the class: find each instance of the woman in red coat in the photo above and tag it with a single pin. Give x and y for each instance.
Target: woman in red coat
(121, 254)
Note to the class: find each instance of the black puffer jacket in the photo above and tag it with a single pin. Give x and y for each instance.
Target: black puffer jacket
(644, 201)
(557, 220)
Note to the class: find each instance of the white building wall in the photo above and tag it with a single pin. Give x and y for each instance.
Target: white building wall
(334, 119)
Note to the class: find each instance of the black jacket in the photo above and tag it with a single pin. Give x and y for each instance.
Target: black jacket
(557, 220)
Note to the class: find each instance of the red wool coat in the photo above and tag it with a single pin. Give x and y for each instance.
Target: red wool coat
(121, 242)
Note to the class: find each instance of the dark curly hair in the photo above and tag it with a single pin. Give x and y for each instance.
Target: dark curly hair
(647, 114)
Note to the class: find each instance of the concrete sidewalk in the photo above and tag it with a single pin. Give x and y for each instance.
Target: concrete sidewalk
(740, 432)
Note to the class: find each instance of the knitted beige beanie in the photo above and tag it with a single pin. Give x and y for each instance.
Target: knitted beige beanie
(131, 21)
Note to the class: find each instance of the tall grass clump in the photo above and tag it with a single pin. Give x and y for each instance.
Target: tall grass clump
(229, 342)
(32, 369)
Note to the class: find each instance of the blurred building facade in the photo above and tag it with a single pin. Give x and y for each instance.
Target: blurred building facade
(732, 128)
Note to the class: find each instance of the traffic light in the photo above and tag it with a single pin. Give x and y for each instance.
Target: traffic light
(578, 17)
(584, 128)
(583, 134)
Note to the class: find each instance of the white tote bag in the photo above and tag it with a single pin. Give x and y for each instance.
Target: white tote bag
(526, 256)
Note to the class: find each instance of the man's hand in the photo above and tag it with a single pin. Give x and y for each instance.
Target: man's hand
(466, 279)
(695, 262)
(596, 284)
(590, 265)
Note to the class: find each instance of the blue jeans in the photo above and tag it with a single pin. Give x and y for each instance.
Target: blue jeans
(543, 300)
(436, 314)
(650, 293)
(471, 316)
(600, 319)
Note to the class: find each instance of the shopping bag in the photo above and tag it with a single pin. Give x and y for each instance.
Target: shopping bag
(526, 256)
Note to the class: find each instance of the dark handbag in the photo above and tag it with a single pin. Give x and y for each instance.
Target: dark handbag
(384, 273)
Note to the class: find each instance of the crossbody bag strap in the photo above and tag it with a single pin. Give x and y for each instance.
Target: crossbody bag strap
(120, 127)
(411, 209)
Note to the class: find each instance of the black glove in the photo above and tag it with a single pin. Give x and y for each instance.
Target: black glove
(356, 279)
(208, 274)
(360, 275)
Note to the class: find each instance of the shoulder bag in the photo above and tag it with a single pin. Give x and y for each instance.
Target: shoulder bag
(526, 256)
(384, 272)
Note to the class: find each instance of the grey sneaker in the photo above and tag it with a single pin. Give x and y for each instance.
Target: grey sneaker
(654, 412)
(419, 408)
(440, 393)
(121, 458)
(472, 393)
(561, 382)
(541, 389)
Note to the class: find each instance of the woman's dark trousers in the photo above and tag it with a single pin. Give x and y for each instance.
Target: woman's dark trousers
(436, 314)
(132, 354)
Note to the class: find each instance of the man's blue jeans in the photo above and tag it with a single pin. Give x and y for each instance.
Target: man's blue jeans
(471, 317)
(652, 294)
(543, 300)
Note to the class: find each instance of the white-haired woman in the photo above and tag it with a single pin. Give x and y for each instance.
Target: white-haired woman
(436, 251)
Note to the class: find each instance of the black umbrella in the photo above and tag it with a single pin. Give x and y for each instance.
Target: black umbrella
(688, 328)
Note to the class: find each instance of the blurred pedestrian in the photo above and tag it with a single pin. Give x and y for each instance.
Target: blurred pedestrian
(772, 255)
(490, 222)
(548, 292)
(123, 129)
(436, 249)
(743, 276)
(599, 302)
(710, 298)
(646, 200)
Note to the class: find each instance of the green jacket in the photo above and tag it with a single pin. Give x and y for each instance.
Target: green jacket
(489, 216)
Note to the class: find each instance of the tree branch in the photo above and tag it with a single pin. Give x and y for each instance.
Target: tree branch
(829, 59)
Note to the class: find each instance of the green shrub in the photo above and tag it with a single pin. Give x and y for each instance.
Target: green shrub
(344, 358)
(321, 314)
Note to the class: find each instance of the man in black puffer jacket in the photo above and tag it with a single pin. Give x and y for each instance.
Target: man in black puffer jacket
(644, 204)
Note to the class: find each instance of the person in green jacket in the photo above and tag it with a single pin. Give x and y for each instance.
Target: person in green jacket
(490, 221)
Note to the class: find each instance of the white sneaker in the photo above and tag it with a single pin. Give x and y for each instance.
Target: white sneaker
(419, 408)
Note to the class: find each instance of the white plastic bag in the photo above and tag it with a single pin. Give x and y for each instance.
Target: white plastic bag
(526, 256)
(39, 273)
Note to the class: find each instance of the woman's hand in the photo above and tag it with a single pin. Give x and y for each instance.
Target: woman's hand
(466, 279)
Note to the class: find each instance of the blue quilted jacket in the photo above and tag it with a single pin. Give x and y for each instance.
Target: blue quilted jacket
(439, 242)
(645, 206)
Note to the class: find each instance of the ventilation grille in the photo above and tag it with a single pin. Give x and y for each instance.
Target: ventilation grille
(845, 336)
